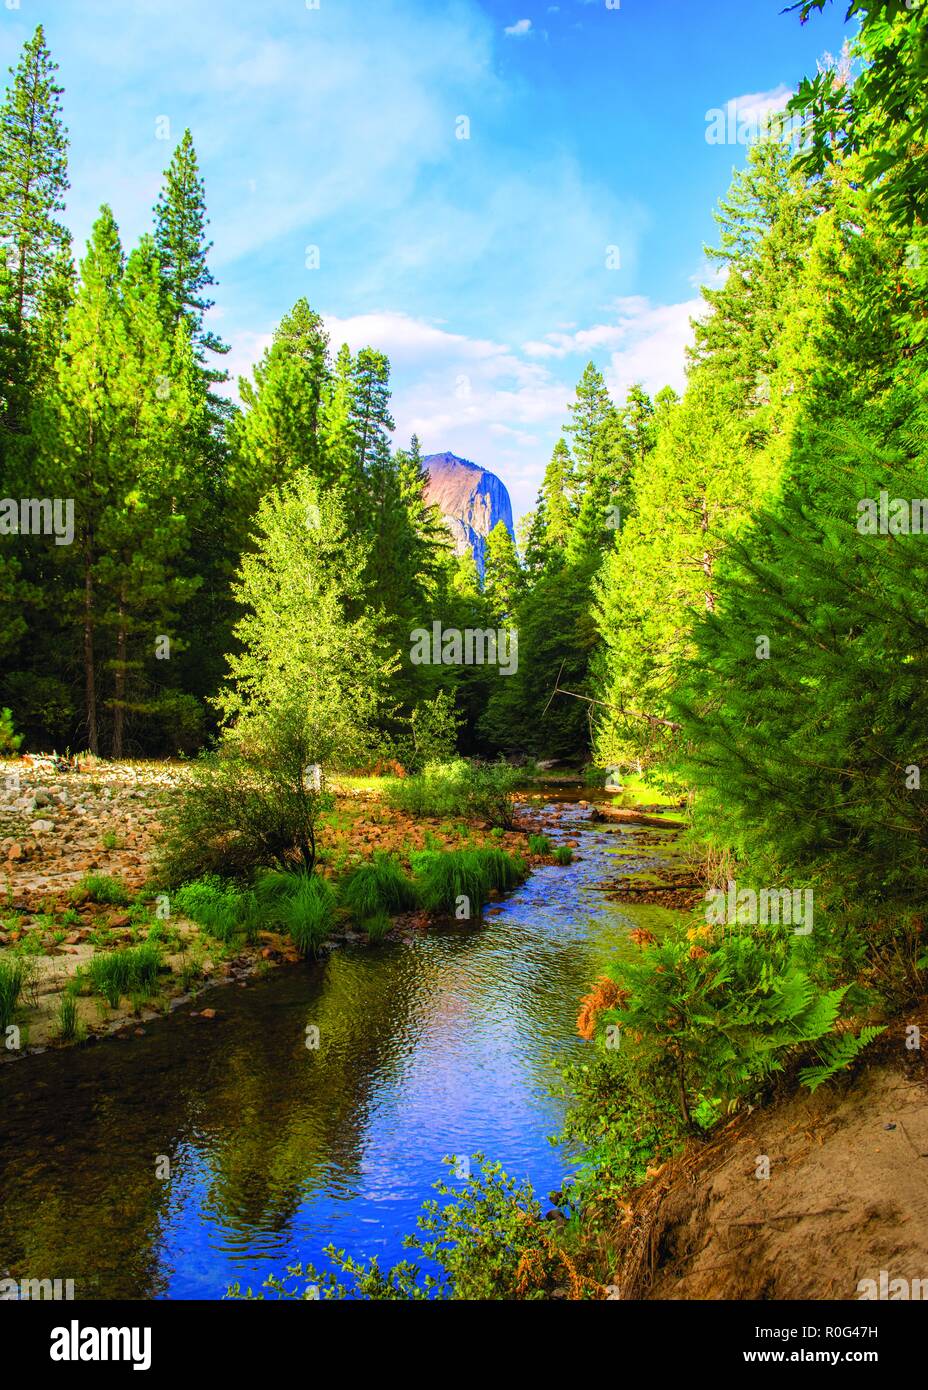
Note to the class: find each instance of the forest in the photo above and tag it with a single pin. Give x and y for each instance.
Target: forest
(720, 600)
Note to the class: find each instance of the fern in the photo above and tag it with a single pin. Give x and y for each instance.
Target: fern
(836, 1054)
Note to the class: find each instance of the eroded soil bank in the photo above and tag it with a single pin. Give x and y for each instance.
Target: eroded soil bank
(846, 1196)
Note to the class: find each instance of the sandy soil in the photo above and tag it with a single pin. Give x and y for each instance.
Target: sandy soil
(847, 1195)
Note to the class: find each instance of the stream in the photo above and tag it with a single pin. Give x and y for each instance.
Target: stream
(443, 1045)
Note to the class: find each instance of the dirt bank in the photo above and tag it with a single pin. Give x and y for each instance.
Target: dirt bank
(846, 1196)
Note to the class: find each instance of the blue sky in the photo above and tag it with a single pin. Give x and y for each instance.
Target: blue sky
(481, 265)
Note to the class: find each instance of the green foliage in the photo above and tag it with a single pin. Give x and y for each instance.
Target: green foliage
(307, 912)
(489, 1242)
(836, 1054)
(100, 888)
(443, 878)
(130, 971)
(459, 789)
(12, 980)
(563, 854)
(68, 1022)
(539, 844)
(253, 804)
(376, 887)
(224, 910)
(9, 741)
(377, 927)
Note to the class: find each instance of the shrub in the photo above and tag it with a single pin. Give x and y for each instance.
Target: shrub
(380, 886)
(251, 805)
(456, 789)
(488, 1242)
(9, 741)
(100, 888)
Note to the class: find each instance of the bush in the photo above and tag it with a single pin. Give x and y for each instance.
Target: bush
(380, 886)
(452, 790)
(9, 741)
(251, 805)
(489, 1242)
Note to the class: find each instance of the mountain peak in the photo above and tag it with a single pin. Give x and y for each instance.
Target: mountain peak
(471, 500)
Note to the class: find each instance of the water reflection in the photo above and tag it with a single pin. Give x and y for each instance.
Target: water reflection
(442, 1046)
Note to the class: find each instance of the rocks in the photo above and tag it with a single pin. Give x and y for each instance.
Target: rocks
(16, 853)
(41, 827)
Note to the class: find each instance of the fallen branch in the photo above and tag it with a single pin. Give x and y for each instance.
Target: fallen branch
(654, 720)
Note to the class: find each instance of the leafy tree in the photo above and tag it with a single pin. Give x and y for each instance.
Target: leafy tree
(502, 578)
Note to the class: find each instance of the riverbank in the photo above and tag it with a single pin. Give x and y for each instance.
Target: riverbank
(805, 1197)
(76, 847)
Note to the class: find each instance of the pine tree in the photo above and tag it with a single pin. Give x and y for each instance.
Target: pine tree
(280, 429)
(502, 578)
(180, 236)
(33, 182)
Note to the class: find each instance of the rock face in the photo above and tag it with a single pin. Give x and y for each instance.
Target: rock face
(471, 499)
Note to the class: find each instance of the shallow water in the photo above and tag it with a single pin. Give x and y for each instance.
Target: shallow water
(440, 1046)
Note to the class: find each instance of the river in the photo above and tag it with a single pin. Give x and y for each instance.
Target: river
(208, 1152)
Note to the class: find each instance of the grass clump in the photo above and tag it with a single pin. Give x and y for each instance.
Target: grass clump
(377, 928)
(563, 854)
(539, 844)
(100, 888)
(379, 886)
(306, 911)
(12, 979)
(69, 1026)
(133, 970)
(219, 907)
(468, 873)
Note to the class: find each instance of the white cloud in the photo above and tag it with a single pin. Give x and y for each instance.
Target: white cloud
(756, 106)
(520, 30)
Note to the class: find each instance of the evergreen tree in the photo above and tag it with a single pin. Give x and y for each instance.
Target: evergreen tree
(180, 236)
(280, 429)
(502, 578)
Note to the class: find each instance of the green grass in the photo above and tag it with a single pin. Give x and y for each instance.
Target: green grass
(563, 854)
(12, 979)
(377, 928)
(219, 908)
(133, 970)
(68, 1025)
(379, 886)
(468, 873)
(457, 790)
(539, 844)
(307, 912)
(100, 888)
(110, 840)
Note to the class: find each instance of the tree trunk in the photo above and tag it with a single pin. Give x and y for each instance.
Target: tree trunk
(119, 704)
(90, 682)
